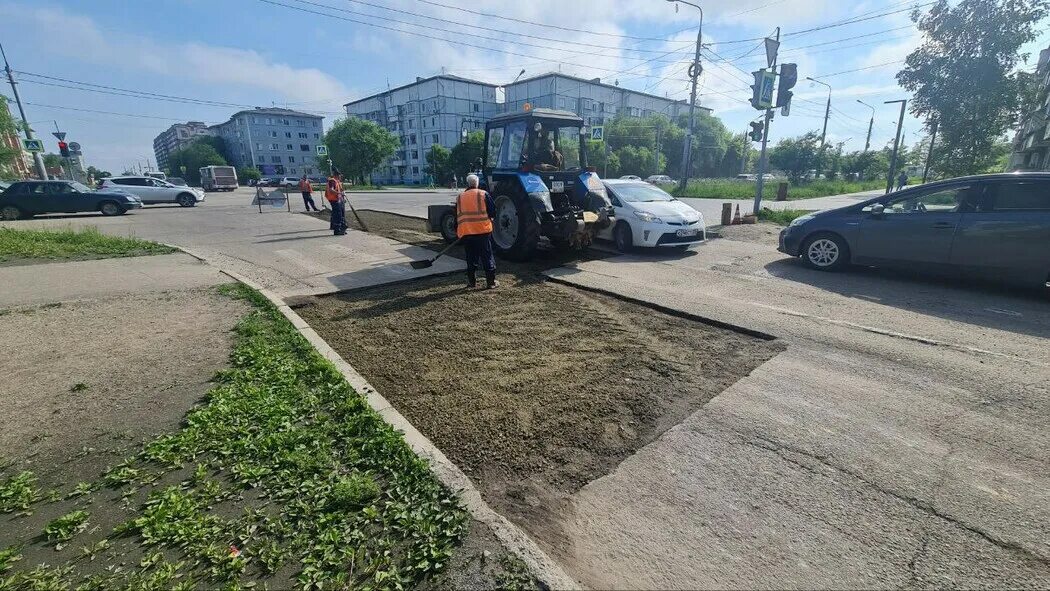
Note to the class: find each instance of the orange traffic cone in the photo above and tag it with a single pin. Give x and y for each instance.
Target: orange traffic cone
(736, 216)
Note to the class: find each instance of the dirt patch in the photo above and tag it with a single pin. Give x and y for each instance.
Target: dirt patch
(83, 380)
(761, 233)
(534, 389)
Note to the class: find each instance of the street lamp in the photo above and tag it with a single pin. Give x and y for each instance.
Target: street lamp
(871, 122)
(827, 110)
(694, 72)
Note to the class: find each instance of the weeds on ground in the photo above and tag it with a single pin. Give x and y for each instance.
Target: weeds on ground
(741, 189)
(60, 244)
(781, 217)
(62, 529)
(18, 492)
(283, 477)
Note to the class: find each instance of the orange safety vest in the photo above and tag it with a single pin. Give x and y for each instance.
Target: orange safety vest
(472, 217)
(304, 186)
(333, 189)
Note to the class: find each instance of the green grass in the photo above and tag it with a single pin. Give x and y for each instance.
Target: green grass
(62, 529)
(18, 492)
(18, 244)
(283, 477)
(781, 217)
(740, 189)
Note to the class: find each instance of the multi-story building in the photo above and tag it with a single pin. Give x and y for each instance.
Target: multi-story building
(591, 99)
(176, 137)
(1032, 141)
(435, 110)
(276, 141)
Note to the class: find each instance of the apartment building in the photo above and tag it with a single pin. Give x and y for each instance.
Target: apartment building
(591, 99)
(435, 110)
(1032, 142)
(274, 140)
(176, 137)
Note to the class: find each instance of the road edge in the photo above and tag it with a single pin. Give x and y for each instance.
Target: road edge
(513, 538)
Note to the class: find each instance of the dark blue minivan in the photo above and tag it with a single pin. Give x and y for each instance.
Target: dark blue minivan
(995, 226)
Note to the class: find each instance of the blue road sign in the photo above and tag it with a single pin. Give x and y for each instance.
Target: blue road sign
(598, 132)
(765, 98)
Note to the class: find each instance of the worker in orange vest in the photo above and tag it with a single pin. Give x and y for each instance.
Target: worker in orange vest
(333, 192)
(474, 214)
(308, 193)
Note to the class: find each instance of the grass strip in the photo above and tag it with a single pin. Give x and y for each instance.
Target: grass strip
(283, 477)
(781, 217)
(742, 189)
(17, 244)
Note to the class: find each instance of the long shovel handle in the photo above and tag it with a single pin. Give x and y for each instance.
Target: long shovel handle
(363, 226)
(446, 249)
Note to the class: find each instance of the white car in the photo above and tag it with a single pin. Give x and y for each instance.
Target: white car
(660, 179)
(647, 216)
(630, 177)
(151, 190)
(289, 181)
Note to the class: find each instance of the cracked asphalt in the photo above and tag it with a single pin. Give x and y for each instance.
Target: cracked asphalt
(900, 441)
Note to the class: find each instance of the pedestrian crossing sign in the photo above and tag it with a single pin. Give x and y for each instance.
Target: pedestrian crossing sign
(598, 133)
(33, 145)
(322, 150)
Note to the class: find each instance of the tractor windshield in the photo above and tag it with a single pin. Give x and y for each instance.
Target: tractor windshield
(553, 148)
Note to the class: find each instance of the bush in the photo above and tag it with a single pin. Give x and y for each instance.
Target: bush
(780, 217)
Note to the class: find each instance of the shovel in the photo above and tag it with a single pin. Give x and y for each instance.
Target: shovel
(363, 226)
(430, 262)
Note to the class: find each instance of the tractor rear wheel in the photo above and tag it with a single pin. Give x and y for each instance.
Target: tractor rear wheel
(516, 228)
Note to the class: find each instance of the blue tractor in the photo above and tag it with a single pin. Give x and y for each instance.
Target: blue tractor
(535, 168)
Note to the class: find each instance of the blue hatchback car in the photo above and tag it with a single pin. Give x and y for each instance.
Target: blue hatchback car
(994, 226)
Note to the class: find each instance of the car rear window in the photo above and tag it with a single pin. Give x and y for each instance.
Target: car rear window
(1026, 196)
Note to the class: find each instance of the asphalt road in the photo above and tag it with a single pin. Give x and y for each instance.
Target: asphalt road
(901, 440)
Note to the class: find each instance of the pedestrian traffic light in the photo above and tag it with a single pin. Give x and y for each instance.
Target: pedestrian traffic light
(63, 148)
(756, 131)
(788, 78)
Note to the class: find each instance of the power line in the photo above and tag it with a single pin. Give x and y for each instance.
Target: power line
(137, 116)
(827, 26)
(859, 69)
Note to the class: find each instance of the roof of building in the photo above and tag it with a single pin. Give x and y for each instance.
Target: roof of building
(270, 111)
(421, 81)
(545, 113)
(597, 82)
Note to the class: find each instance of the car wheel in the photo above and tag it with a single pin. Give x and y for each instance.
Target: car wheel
(622, 237)
(111, 208)
(186, 200)
(825, 252)
(10, 212)
(448, 227)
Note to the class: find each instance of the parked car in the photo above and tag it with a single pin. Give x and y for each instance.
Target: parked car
(994, 226)
(151, 190)
(178, 181)
(630, 177)
(4, 185)
(747, 177)
(24, 199)
(288, 181)
(268, 181)
(647, 216)
(660, 179)
(318, 179)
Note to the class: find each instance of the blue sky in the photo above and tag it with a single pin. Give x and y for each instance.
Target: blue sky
(257, 53)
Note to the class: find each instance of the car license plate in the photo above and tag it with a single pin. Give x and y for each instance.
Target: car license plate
(684, 233)
(557, 186)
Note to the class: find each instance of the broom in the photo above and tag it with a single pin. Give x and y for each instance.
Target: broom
(430, 262)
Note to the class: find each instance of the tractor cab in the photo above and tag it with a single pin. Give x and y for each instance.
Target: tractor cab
(535, 167)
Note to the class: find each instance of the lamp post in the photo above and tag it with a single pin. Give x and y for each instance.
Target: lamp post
(695, 70)
(896, 144)
(827, 109)
(871, 122)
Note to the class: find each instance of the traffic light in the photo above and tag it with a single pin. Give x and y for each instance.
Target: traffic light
(788, 78)
(756, 131)
(756, 89)
(63, 148)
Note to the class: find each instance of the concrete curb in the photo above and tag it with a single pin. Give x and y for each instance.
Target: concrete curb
(511, 536)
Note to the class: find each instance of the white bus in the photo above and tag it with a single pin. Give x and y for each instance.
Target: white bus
(218, 178)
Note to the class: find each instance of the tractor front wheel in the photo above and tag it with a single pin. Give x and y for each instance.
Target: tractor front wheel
(516, 227)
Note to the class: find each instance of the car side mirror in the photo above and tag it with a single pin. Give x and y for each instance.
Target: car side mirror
(877, 210)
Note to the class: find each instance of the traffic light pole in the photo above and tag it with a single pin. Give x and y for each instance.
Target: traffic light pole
(761, 181)
(694, 73)
(41, 170)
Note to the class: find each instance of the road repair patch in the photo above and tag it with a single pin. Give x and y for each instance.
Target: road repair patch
(534, 389)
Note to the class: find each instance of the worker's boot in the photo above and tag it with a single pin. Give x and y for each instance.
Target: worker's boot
(490, 280)
(472, 279)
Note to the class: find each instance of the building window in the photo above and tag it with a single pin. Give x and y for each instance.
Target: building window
(432, 121)
(476, 107)
(273, 134)
(275, 146)
(308, 170)
(415, 154)
(435, 137)
(284, 121)
(317, 137)
(255, 119)
(289, 147)
(287, 134)
(303, 135)
(291, 159)
(304, 147)
(424, 124)
(315, 123)
(291, 170)
(275, 159)
(258, 146)
(411, 124)
(300, 123)
(269, 121)
(412, 139)
(415, 170)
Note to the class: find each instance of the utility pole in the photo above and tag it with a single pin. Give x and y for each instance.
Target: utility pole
(827, 110)
(695, 69)
(871, 123)
(38, 159)
(929, 155)
(761, 181)
(896, 145)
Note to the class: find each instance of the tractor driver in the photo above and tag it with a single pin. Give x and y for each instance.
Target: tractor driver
(544, 156)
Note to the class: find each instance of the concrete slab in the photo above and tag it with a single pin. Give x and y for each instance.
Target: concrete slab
(30, 285)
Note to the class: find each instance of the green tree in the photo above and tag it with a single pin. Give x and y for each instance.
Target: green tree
(248, 173)
(53, 161)
(8, 156)
(797, 156)
(216, 142)
(439, 163)
(869, 165)
(356, 147)
(464, 155)
(963, 76)
(193, 157)
(641, 161)
(97, 174)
